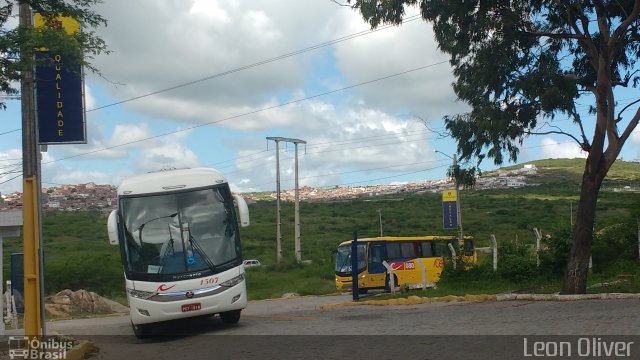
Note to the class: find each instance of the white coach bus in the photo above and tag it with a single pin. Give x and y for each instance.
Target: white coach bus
(180, 246)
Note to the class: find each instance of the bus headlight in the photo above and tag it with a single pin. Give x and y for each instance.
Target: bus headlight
(139, 294)
(233, 281)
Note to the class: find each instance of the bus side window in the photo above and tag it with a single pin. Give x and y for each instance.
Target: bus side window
(468, 247)
(375, 254)
(408, 250)
(393, 251)
(438, 247)
(362, 259)
(427, 249)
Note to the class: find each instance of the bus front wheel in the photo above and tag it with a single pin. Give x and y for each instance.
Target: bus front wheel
(230, 317)
(141, 331)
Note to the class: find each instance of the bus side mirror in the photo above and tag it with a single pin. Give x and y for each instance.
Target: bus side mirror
(243, 210)
(112, 227)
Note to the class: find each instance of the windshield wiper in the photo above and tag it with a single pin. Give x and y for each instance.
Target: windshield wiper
(169, 250)
(195, 246)
(141, 227)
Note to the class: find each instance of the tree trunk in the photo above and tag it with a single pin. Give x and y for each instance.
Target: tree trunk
(575, 275)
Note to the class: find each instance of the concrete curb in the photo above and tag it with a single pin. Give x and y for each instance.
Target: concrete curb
(413, 300)
(558, 297)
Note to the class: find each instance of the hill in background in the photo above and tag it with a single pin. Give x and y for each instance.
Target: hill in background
(78, 256)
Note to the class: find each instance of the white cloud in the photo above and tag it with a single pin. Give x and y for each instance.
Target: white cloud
(344, 142)
(168, 153)
(552, 149)
(10, 170)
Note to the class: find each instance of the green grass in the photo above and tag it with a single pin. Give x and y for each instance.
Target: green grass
(77, 253)
(275, 281)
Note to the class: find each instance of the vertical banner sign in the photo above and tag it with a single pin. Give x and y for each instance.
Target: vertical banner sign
(59, 94)
(450, 209)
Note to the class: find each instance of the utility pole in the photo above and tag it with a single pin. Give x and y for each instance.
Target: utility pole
(455, 179)
(31, 193)
(278, 232)
(380, 216)
(279, 257)
(298, 252)
(458, 197)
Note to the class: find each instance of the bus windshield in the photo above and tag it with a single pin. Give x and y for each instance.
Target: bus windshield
(343, 259)
(181, 232)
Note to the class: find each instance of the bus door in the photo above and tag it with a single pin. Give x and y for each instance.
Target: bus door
(377, 271)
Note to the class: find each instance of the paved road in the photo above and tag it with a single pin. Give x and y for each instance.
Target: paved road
(331, 333)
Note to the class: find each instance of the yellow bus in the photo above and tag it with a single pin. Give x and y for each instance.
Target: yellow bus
(403, 255)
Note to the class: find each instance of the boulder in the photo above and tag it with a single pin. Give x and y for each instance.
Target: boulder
(81, 302)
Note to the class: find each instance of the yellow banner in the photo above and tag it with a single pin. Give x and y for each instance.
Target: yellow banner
(69, 24)
(449, 195)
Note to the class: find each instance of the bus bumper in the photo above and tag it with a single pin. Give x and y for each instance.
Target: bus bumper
(147, 311)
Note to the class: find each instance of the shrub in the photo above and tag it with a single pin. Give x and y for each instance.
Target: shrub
(515, 263)
(555, 252)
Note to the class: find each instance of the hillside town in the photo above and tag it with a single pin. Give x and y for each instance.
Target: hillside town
(102, 198)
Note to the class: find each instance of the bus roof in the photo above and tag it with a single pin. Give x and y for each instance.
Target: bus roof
(167, 180)
(407, 238)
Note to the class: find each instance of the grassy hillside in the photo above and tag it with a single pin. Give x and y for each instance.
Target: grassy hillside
(77, 254)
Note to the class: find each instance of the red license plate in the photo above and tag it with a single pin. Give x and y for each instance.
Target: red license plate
(191, 307)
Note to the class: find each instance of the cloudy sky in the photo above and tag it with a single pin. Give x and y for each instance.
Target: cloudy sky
(204, 82)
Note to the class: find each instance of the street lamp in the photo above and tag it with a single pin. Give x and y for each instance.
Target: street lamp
(455, 181)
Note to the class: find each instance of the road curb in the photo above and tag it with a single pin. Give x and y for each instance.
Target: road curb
(413, 300)
(558, 297)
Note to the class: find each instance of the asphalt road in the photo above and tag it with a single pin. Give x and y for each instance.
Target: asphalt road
(302, 328)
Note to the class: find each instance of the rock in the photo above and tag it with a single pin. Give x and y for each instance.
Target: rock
(289, 295)
(82, 302)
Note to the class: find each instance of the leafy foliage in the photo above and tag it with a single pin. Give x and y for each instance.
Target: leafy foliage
(519, 64)
(17, 44)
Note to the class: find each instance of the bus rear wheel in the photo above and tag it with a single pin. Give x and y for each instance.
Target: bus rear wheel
(230, 317)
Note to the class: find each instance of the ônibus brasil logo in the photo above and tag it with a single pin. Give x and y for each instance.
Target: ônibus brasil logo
(25, 347)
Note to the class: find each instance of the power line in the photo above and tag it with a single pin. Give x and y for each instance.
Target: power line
(15, 177)
(259, 63)
(252, 112)
(328, 150)
(242, 68)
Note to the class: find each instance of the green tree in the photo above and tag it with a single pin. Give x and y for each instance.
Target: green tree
(520, 64)
(14, 40)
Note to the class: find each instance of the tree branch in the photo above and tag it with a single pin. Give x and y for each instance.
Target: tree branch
(619, 118)
(589, 47)
(335, 1)
(576, 118)
(625, 24)
(558, 132)
(441, 135)
(601, 12)
(611, 154)
(630, 127)
(554, 35)
(612, 128)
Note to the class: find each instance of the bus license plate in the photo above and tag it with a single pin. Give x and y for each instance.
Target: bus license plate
(191, 307)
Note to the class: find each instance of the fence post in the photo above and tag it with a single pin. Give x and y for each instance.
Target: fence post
(495, 252)
(538, 238)
(354, 267)
(453, 255)
(423, 268)
(392, 282)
